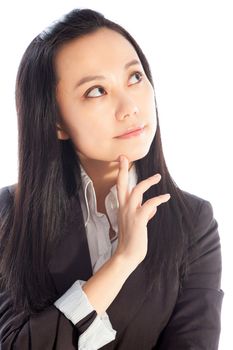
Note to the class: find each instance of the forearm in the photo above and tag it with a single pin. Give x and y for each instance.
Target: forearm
(103, 287)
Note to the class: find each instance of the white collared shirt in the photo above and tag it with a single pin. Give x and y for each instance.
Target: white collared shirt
(74, 303)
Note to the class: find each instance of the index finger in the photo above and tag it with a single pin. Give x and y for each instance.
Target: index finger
(122, 180)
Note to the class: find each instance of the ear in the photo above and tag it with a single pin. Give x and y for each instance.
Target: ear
(61, 134)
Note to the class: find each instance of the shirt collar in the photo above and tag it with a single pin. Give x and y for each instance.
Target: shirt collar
(87, 190)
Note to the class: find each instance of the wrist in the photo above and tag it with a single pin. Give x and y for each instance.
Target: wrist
(123, 263)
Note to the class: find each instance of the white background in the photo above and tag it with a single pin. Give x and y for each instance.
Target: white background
(189, 47)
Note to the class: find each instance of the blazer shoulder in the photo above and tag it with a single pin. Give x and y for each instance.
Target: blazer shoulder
(197, 203)
(204, 223)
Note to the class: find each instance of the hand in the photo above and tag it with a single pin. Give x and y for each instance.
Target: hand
(132, 216)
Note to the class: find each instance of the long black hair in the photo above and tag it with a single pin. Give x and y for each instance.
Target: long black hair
(49, 175)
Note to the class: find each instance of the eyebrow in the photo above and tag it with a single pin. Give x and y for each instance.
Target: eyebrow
(102, 77)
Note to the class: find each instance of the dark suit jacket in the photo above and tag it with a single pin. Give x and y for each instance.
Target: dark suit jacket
(166, 319)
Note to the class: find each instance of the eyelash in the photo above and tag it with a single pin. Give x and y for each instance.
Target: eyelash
(99, 86)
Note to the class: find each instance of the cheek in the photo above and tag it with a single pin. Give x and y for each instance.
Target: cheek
(87, 134)
(150, 107)
(151, 95)
(81, 132)
(148, 97)
(75, 120)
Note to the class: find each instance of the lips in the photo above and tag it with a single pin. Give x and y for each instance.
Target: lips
(131, 130)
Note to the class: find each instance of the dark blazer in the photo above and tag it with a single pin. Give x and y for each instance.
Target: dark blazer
(166, 319)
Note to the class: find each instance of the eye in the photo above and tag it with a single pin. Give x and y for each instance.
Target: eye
(87, 94)
(138, 74)
(101, 89)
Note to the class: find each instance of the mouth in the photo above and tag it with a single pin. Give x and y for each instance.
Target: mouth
(136, 131)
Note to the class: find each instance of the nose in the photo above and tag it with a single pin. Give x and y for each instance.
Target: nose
(126, 108)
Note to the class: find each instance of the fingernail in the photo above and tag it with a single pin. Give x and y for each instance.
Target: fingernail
(157, 176)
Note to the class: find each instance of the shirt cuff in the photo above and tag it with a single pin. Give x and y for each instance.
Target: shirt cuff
(98, 334)
(74, 303)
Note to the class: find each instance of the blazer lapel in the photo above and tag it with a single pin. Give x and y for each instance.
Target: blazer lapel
(129, 300)
(71, 259)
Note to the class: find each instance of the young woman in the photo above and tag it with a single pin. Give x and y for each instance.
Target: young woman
(99, 247)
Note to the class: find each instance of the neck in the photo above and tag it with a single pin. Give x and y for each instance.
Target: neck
(104, 176)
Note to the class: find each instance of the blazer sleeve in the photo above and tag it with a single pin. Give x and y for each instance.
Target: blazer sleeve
(47, 330)
(195, 320)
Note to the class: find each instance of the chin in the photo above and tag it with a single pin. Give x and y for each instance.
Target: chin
(136, 154)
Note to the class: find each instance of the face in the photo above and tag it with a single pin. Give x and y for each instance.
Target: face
(94, 111)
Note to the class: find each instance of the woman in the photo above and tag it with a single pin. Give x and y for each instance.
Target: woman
(99, 246)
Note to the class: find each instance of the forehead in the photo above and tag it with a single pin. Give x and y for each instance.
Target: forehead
(99, 50)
